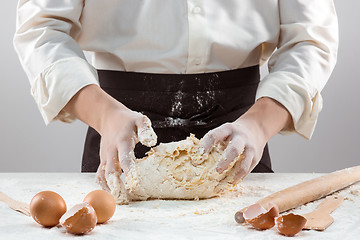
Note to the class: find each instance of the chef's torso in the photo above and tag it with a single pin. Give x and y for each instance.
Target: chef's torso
(177, 36)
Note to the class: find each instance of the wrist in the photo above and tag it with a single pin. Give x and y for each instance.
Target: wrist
(93, 106)
(268, 117)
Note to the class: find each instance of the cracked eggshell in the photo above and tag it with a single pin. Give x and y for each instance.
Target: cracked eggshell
(80, 219)
(290, 224)
(259, 217)
(47, 207)
(103, 203)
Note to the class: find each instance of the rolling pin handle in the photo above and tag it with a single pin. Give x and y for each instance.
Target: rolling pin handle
(239, 217)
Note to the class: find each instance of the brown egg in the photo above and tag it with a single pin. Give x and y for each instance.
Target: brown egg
(259, 218)
(47, 207)
(80, 219)
(290, 224)
(103, 203)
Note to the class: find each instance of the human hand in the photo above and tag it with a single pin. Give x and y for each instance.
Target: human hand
(240, 137)
(248, 135)
(121, 132)
(120, 129)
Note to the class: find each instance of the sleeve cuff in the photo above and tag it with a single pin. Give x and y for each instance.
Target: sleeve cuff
(301, 100)
(57, 84)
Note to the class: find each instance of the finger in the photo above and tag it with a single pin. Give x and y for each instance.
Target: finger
(243, 168)
(214, 136)
(117, 187)
(112, 175)
(113, 172)
(126, 154)
(108, 157)
(233, 150)
(114, 182)
(100, 173)
(112, 164)
(109, 166)
(146, 134)
(253, 165)
(100, 177)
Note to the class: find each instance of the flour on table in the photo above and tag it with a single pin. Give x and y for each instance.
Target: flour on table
(178, 170)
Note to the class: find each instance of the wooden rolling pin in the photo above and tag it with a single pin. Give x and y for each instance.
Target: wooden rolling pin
(311, 190)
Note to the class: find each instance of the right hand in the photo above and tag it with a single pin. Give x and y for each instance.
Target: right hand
(121, 131)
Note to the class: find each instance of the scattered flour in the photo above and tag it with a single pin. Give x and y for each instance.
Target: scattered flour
(165, 219)
(177, 102)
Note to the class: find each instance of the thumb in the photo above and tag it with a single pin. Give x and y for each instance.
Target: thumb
(146, 134)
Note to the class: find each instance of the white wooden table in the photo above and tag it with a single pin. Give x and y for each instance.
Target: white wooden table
(160, 219)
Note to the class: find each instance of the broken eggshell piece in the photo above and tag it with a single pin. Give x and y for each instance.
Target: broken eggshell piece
(80, 219)
(290, 224)
(259, 217)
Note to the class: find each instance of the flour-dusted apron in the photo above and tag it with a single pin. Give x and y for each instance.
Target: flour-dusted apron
(179, 104)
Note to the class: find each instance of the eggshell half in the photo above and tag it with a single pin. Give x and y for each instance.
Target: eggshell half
(290, 224)
(103, 203)
(259, 218)
(47, 207)
(253, 211)
(80, 219)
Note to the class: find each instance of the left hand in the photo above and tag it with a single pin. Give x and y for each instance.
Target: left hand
(241, 137)
(248, 135)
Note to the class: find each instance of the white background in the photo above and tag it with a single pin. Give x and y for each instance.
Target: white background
(27, 145)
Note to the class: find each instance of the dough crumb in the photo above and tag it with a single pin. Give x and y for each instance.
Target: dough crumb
(355, 192)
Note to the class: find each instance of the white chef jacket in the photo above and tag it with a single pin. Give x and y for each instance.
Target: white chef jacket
(180, 37)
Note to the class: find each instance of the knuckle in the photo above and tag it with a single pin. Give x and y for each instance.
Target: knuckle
(211, 136)
(125, 146)
(108, 171)
(230, 154)
(212, 133)
(231, 126)
(144, 118)
(124, 160)
(245, 164)
(238, 176)
(242, 135)
(100, 177)
(123, 141)
(235, 150)
(106, 147)
(249, 150)
(117, 166)
(114, 166)
(255, 161)
(140, 118)
(227, 127)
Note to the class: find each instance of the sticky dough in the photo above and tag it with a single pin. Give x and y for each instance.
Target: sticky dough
(178, 170)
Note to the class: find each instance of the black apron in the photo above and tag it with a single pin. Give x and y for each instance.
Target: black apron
(179, 104)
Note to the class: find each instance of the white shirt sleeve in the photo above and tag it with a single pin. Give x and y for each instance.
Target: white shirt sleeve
(51, 34)
(304, 59)
(53, 61)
